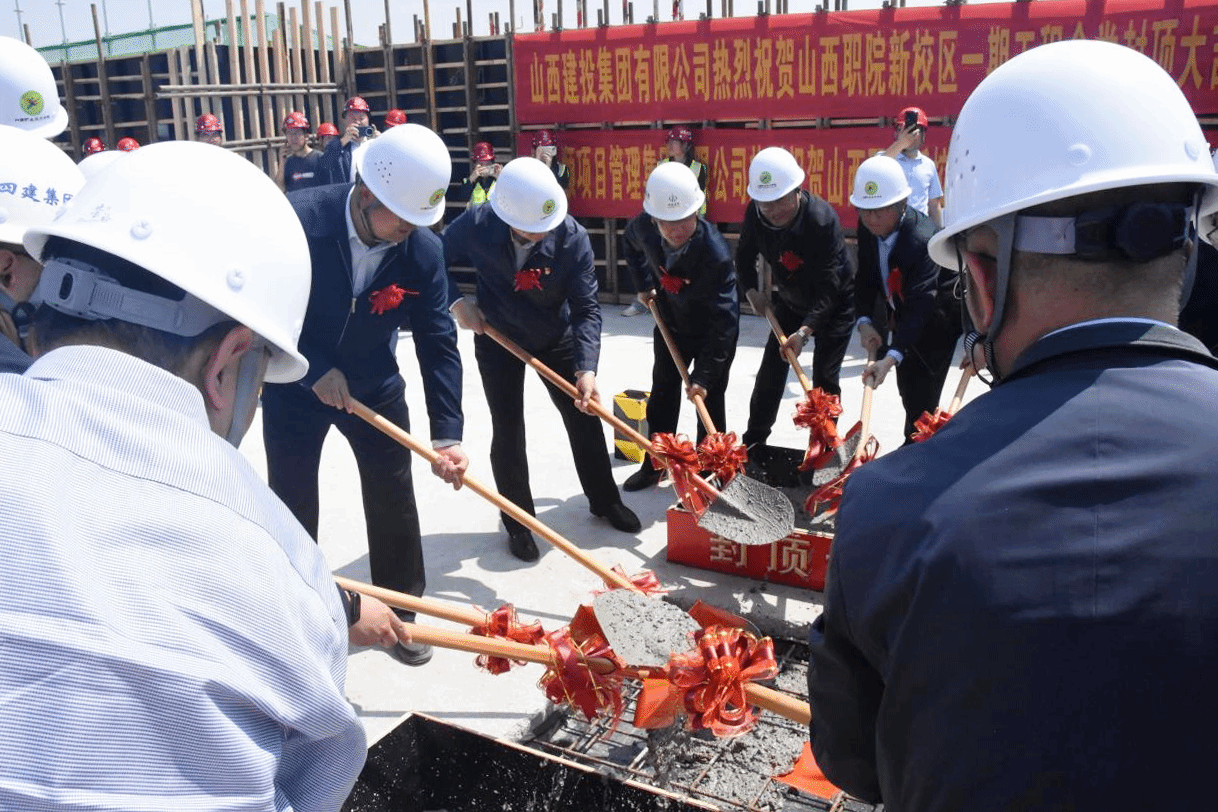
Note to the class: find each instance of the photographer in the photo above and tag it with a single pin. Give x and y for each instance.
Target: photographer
(336, 160)
(920, 170)
(483, 174)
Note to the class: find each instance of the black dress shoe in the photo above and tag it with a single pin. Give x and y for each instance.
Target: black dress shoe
(523, 546)
(621, 517)
(645, 477)
(414, 654)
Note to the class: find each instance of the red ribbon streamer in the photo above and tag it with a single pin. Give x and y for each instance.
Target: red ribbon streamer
(504, 625)
(709, 681)
(723, 455)
(926, 425)
(571, 681)
(815, 413)
(386, 299)
(644, 581)
(676, 454)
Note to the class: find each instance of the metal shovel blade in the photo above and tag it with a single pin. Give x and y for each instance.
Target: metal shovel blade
(643, 631)
(749, 513)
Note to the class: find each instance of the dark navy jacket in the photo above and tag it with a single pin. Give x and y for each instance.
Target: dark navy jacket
(335, 163)
(923, 283)
(810, 265)
(12, 357)
(1021, 613)
(341, 330)
(706, 304)
(553, 296)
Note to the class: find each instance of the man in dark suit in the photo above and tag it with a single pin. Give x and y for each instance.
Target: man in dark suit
(683, 262)
(1022, 611)
(907, 316)
(377, 267)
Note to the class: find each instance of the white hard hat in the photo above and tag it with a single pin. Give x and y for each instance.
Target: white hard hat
(1062, 120)
(773, 173)
(92, 164)
(29, 99)
(37, 179)
(170, 209)
(878, 182)
(527, 196)
(672, 192)
(408, 168)
(1209, 224)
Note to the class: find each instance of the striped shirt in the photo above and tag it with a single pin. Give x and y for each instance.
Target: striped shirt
(170, 637)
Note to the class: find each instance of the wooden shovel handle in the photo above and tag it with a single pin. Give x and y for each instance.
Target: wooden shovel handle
(671, 342)
(865, 418)
(958, 398)
(493, 496)
(759, 303)
(466, 616)
(605, 414)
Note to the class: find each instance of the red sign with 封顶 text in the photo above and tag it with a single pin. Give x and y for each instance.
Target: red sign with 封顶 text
(609, 168)
(850, 64)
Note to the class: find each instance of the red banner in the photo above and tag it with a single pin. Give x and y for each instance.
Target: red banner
(609, 168)
(852, 64)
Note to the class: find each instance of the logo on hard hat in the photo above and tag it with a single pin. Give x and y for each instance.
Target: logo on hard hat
(765, 179)
(548, 207)
(436, 197)
(871, 188)
(31, 102)
(673, 201)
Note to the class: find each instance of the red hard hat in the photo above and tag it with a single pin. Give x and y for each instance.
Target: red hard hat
(356, 103)
(923, 121)
(207, 123)
(544, 138)
(297, 120)
(127, 144)
(94, 145)
(394, 117)
(327, 128)
(482, 151)
(682, 134)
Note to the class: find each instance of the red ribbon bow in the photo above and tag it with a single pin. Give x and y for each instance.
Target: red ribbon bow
(644, 581)
(528, 279)
(926, 425)
(386, 299)
(816, 412)
(676, 454)
(672, 284)
(723, 455)
(570, 681)
(503, 624)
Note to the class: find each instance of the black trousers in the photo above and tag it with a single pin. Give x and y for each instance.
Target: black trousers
(920, 377)
(828, 352)
(668, 389)
(294, 426)
(503, 382)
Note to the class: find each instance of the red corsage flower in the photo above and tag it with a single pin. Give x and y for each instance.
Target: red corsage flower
(386, 299)
(528, 279)
(672, 284)
(791, 261)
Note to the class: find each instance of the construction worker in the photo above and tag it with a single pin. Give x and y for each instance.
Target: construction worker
(127, 144)
(679, 148)
(545, 149)
(297, 167)
(29, 98)
(92, 146)
(482, 176)
(907, 315)
(1054, 542)
(394, 117)
(377, 267)
(336, 160)
(683, 264)
(799, 236)
(926, 193)
(40, 181)
(209, 131)
(326, 133)
(159, 599)
(536, 283)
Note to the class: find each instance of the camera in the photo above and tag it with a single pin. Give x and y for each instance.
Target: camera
(367, 131)
(911, 119)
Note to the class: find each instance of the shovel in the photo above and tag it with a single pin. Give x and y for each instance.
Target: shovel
(762, 305)
(671, 342)
(746, 511)
(528, 520)
(865, 417)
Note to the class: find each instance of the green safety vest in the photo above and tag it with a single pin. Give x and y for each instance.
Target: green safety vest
(481, 194)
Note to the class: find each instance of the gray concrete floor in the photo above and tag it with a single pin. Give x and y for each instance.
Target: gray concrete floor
(468, 562)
